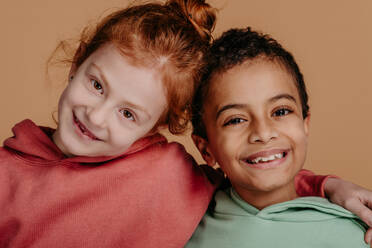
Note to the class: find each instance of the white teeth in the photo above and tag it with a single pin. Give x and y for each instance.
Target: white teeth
(257, 160)
(265, 159)
(279, 155)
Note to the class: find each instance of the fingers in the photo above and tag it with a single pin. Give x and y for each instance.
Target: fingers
(368, 236)
(357, 207)
(364, 212)
(354, 198)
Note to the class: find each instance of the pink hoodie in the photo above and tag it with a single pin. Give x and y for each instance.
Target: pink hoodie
(153, 195)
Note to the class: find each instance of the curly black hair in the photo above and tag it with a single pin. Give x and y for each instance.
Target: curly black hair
(233, 48)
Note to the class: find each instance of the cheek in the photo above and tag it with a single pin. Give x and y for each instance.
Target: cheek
(225, 147)
(294, 129)
(299, 138)
(301, 134)
(63, 98)
(120, 143)
(123, 137)
(70, 96)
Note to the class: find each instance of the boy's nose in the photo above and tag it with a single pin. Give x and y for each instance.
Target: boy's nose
(262, 131)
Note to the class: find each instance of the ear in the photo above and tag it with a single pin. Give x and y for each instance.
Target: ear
(307, 124)
(203, 147)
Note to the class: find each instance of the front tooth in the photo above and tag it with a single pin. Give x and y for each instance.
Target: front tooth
(279, 155)
(257, 160)
(272, 157)
(265, 159)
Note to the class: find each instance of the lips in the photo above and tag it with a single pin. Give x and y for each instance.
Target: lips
(84, 130)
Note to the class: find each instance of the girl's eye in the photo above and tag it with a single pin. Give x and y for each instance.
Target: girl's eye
(233, 121)
(97, 86)
(282, 112)
(127, 114)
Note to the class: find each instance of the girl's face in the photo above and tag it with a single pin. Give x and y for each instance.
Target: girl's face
(255, 128)
(108, 105)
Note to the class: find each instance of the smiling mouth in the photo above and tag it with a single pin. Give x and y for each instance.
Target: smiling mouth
(267, 159)
(83, 129)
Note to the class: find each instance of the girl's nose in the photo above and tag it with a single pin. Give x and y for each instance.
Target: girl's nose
(98, 115)
(262, 131)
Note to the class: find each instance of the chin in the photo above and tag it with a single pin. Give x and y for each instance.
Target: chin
(268, 187)
(75, 151)
(269, 184)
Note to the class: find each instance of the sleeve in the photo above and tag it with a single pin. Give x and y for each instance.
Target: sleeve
(309, 184)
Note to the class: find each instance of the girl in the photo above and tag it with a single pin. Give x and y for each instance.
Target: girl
(251, 116)
(104, 177)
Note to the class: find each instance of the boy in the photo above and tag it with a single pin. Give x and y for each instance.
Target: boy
(252, 118)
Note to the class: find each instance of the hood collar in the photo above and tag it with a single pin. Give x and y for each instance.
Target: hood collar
(35, 143)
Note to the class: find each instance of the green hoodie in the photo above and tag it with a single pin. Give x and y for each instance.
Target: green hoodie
(303, 222)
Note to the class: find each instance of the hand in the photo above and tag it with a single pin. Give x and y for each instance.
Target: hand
(352, 197)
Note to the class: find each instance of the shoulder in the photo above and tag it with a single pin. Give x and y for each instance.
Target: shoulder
(165, 153)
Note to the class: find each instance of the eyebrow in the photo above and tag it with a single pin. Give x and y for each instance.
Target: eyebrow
(134, 106)
(230, 106)
(131, 105)
(102, 75)
(281, 96)
(242, 106)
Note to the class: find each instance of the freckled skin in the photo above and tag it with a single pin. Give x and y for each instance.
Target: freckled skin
(116, 101)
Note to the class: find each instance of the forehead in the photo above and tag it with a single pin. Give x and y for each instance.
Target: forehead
(108, 55)
(251, 81)
(124, 80)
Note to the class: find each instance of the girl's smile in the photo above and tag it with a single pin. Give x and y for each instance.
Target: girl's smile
(83, 131)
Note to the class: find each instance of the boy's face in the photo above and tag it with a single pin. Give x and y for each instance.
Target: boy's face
(255, 128)
(108, 105)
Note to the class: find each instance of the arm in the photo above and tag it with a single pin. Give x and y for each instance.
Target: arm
(352, 197)
(348, 195)
(309, 184)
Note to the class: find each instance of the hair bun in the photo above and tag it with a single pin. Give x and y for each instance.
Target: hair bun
(200, 14)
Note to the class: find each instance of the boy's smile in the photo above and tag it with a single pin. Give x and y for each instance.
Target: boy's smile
(255, 129)
(108, 105)
(266, 159)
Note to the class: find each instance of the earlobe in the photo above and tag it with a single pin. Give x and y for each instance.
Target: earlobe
(72, 72)
(203, 147)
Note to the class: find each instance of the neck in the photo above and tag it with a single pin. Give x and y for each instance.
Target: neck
(261, 199)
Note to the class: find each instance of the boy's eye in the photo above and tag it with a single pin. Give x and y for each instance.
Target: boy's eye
(282, 112)
(234, 121)
(127, 114)
(97, 86)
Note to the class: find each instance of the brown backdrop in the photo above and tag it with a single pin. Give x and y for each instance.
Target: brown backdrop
(331, 40)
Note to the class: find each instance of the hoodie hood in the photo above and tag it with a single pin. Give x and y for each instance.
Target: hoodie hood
(302, 209)
(305, 222)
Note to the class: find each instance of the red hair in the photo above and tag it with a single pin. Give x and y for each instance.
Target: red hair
(173, 37)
